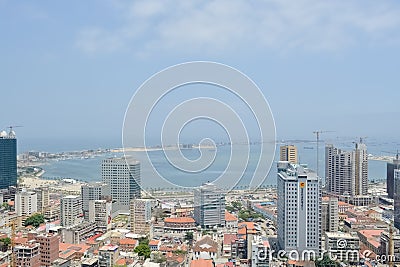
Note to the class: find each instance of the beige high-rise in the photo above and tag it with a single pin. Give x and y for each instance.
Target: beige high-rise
(288, 153)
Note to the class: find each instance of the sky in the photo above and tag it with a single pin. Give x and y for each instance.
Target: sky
(69, 69)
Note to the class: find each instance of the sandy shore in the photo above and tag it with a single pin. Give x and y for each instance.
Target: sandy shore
(54, 185)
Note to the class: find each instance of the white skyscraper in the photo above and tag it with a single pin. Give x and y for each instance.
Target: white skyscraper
(209, 206)
(140, 210)
(71, 209)
(25, 203)
(346, 172)
(123, 177)
(299, 209)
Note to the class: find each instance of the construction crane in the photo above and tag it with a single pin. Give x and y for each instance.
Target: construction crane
(317, 134)
(12, 225)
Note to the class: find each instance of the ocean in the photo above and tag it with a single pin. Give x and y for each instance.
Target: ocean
(90, 169)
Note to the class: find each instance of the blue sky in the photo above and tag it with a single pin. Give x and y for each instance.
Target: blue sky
(68, 69)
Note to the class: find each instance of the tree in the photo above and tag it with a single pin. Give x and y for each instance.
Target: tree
(326, 261)
(6, 241)
(189, 236)
(143, 250)
(35, 220)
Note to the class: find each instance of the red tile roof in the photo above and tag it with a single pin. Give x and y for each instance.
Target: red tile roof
(179, 220)
(201, 263)
(230, 217)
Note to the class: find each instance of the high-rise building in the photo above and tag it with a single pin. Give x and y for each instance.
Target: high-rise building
(8, 159)
(71, 209)
(396, 199)
(100, 213)
(92, 191)
(123, 177)
(330, 214)
(43, 198)
(390, 167)
(140, 210)
(49, 248)
(288, 153)
(209, 206)
(299, 209)
(25, 203)
(346, 172)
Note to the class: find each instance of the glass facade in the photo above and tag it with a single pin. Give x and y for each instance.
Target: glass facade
(8, 162)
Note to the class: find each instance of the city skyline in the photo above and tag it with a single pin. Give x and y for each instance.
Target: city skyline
(70, 81)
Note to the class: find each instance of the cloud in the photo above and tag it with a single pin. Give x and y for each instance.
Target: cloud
(218, 26)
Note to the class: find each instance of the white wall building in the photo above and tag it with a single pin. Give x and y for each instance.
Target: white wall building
(25, 203)
(299, 209)
(92, 191)
(70, 210)
(100, 213)
(209, 206)
(330, 214)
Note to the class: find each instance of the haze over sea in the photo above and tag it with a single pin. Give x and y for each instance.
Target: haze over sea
(90, 169)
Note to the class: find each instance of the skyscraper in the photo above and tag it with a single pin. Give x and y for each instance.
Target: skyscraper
(299, 209)
(396, 198)
(346, 172)
(123, 177)
(209, 206)
(8, 159)
(288, 153)
(390, 168)
(92, 191)
(140, 210)
(71, 209)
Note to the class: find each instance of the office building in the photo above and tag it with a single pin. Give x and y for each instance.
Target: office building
(49, 248)
(8, 159)
(25, 203)
(390, 168)
(288, 153)
(329, 214)
(78, 233)
(209, 206)
(92, 191)
(71, 210)
(299, 209)
(396, 199)
(346, 172)
(122, 175)
(140, 210)
(100, 213)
